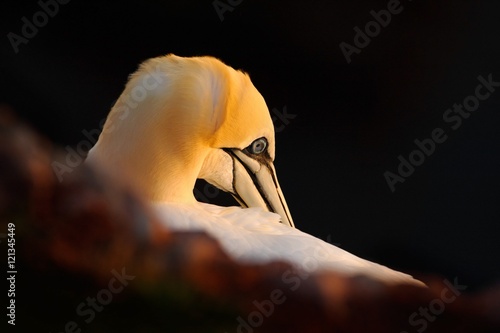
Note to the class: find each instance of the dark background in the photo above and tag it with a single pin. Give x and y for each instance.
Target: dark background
(352, 120)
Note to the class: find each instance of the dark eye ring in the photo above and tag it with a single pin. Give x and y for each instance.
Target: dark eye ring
(258, 146)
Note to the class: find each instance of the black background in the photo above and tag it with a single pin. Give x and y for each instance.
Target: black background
(352, 120)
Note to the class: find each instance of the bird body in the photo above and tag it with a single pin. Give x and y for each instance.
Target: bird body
(252, 235)
(180, 119)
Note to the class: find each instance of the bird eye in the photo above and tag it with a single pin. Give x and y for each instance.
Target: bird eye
(258, 146)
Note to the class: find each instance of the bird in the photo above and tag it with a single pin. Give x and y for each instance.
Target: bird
(180, 119)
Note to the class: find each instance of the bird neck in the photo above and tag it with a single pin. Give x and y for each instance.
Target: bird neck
(164, 177)
(161, 169)
(157, 177)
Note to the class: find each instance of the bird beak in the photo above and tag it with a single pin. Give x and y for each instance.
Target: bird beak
(255, 184)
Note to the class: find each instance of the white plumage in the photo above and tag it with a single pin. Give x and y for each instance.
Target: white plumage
(256, 236)
(180, 119)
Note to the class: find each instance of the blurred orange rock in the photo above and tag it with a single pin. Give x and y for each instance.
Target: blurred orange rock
(74, 236)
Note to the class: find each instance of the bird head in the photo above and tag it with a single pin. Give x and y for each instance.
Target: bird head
(180, 119)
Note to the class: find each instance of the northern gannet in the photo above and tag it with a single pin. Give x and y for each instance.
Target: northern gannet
(180, 119)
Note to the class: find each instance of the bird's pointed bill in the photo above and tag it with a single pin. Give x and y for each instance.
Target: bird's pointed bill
(255, 185)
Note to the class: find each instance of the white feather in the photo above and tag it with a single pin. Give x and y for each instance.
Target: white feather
(193, 110)
(253, 235)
